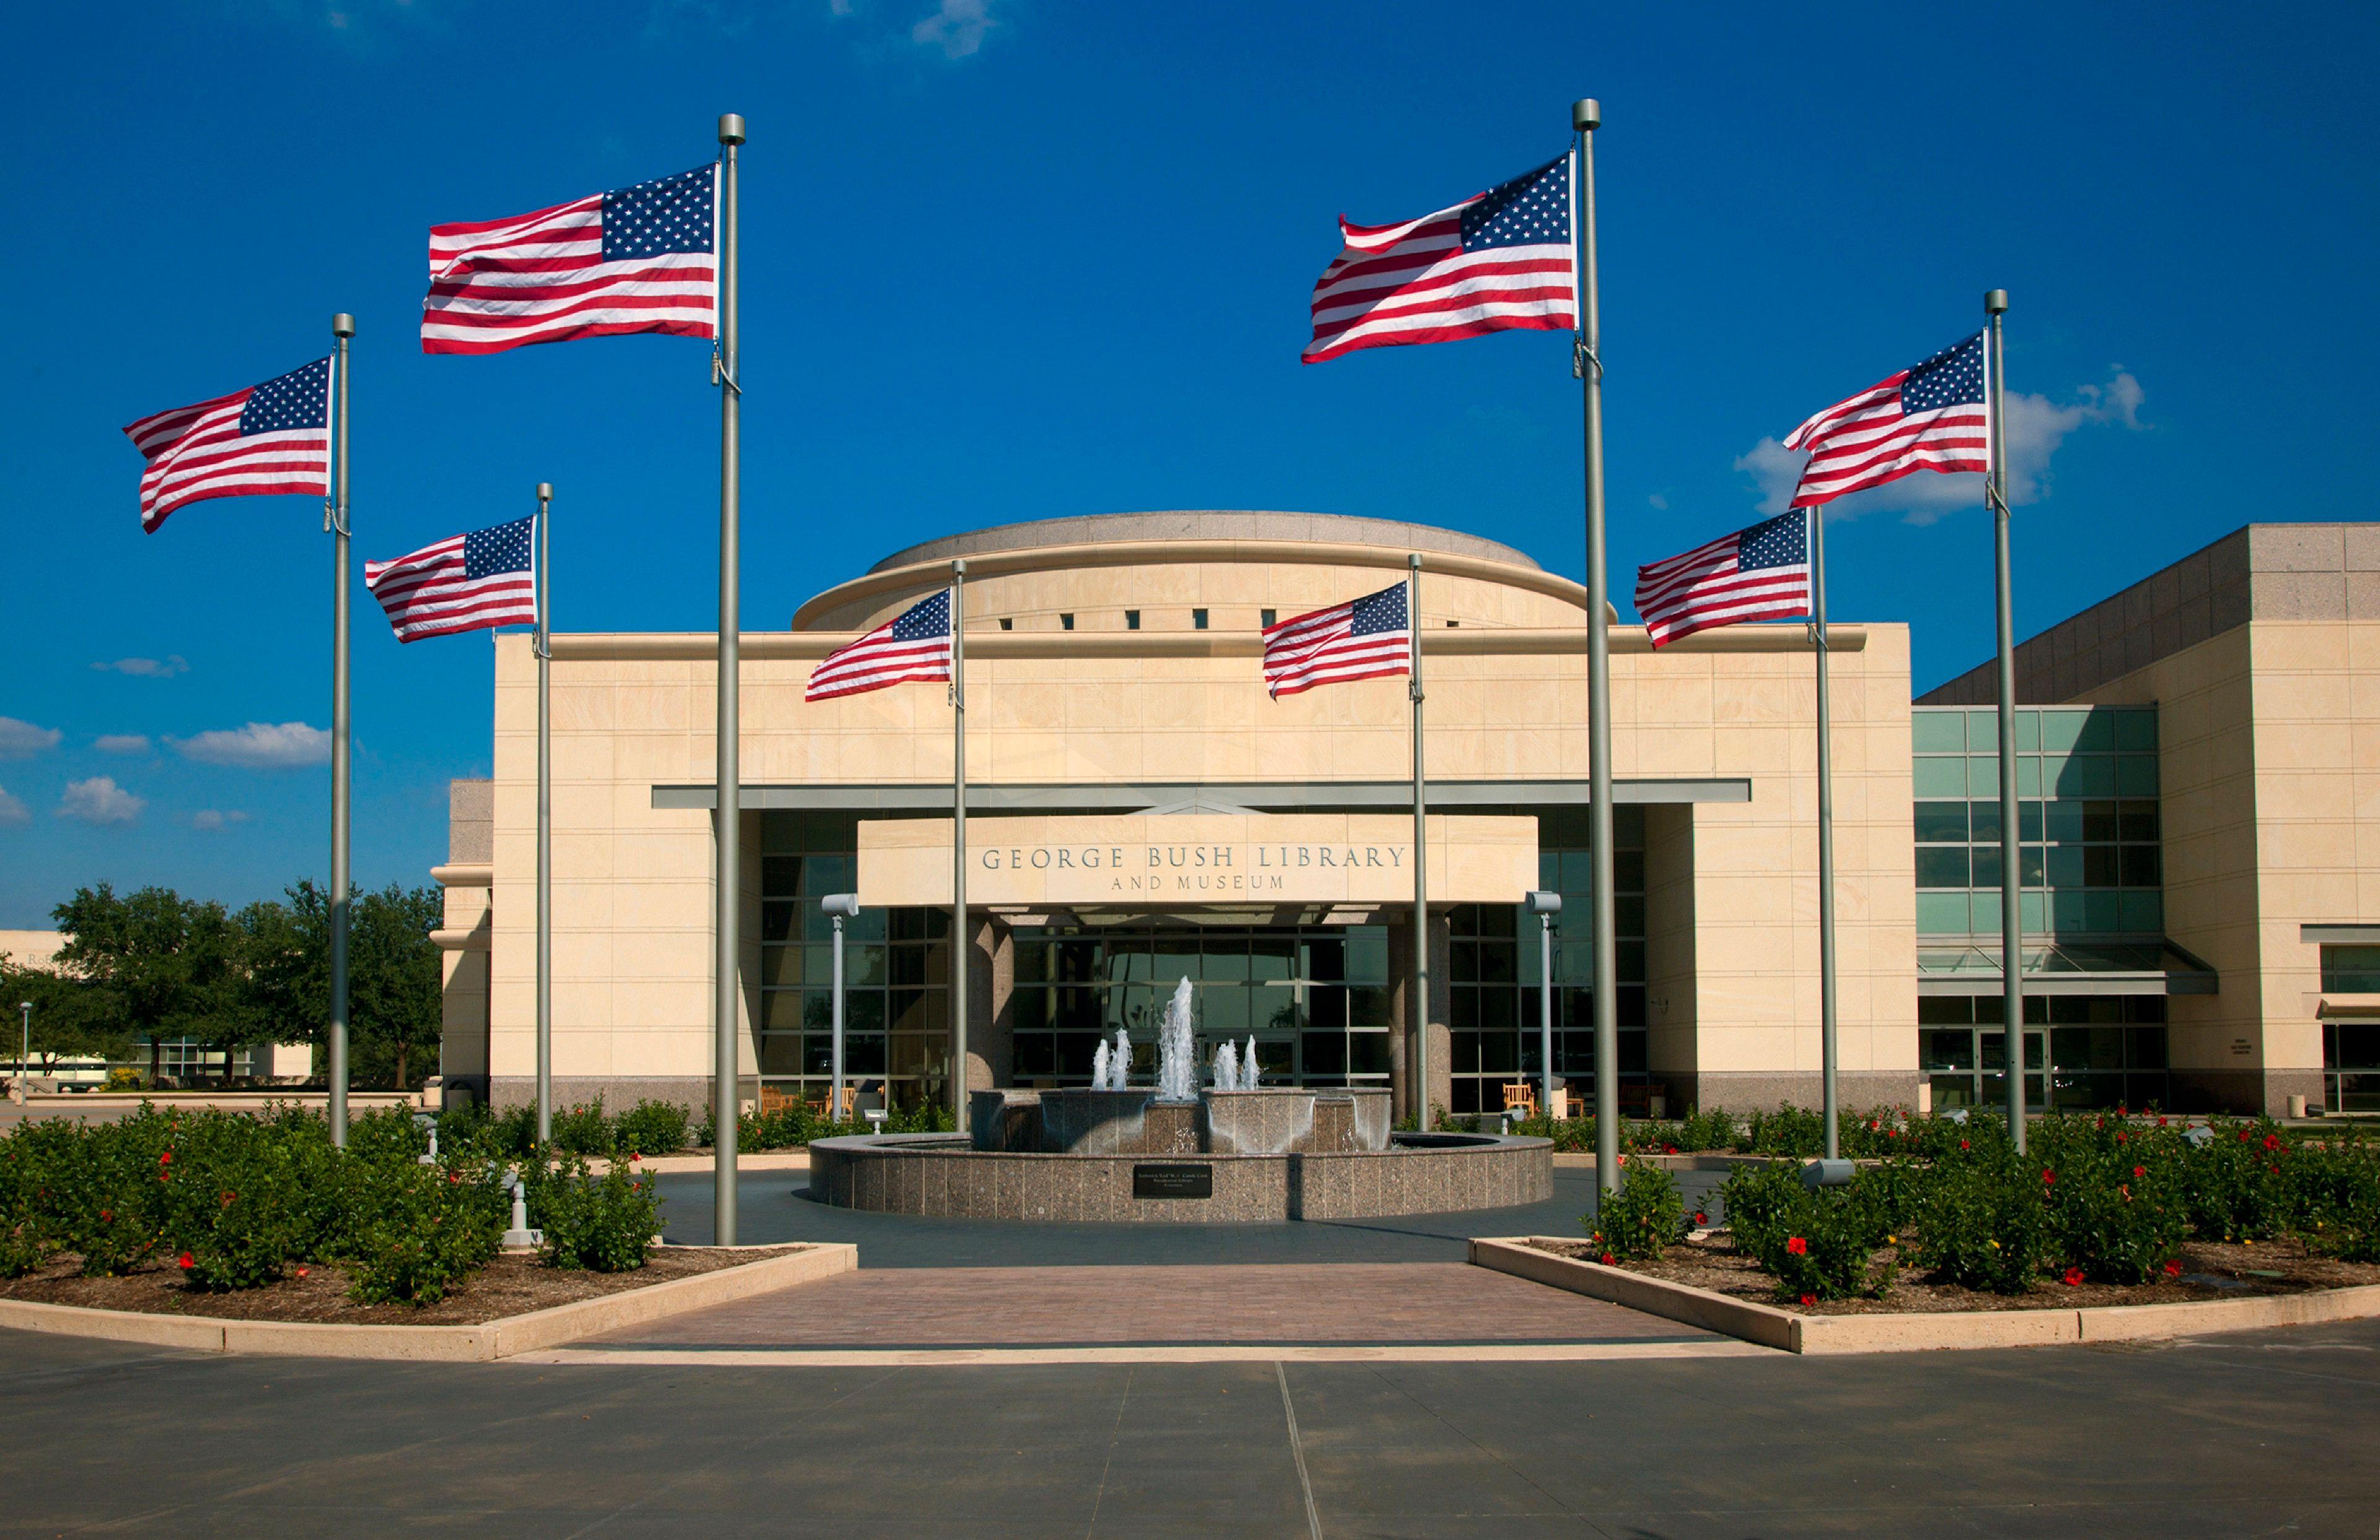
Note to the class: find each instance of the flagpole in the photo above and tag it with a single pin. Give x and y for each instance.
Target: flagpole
(1419, 1016)
(2011, 877)
(1585, 118)
(959, 848)
(1827, 1018)
(726, 1105)
(343, 327)
(544, 816)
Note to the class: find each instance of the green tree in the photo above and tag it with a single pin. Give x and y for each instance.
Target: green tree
(166, 962)
(73, 1018)
(393, 978)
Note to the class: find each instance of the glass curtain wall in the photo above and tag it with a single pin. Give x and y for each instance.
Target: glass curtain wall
(2091, 867)
(1495, 966)
(1315, 998)
(896, 974)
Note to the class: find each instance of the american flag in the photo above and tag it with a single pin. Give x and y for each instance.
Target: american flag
(914, 644)
(270, 437)
(1366, 638)
(470, 583)
(636, 259)
(1762, 572)
(1931, 417)
(1498, 261)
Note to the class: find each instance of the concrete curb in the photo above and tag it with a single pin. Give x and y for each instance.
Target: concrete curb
(504, 1338)
(1791, 1332)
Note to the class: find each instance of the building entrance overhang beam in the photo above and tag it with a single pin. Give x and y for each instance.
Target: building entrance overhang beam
(1307, 796)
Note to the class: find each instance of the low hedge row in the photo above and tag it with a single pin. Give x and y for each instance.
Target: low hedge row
(2104, 1199)
(652, 1128)
(238, 1201)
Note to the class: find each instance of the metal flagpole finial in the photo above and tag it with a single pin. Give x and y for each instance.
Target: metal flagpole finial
(1586, 115)
(343, 325)
(545, 491)
(1995, 302)
(731, 127)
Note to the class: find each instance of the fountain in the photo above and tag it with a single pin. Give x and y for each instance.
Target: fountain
(1235, 1151)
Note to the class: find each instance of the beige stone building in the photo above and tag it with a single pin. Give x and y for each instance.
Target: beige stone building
(2250, 672)
(1140, 811)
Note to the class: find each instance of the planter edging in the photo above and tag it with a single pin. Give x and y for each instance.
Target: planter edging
(477, 1343)
(1911, 1331)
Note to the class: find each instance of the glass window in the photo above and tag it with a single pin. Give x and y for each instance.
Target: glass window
(1942, 866)
(2350, 970)
(1936, 732)
(1939, 778)
(1939, 822)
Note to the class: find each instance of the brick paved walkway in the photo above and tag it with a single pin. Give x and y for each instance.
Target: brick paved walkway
(1339, 1302)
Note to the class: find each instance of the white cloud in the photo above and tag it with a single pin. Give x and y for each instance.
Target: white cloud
(100, 801)
(12, 811)
(22, 740)
(259, 746)
(147, 667)
(212, 819)
(957, 27)
(2036, 427)
(1660, 502)
(121, 743)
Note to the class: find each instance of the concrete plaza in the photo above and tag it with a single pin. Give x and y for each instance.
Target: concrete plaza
(2251, 1435)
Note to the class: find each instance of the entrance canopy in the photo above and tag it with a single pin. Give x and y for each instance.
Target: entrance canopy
(1335, 867)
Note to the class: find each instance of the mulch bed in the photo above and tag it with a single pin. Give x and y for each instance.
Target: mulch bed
(513, 1284)
(2211, 1270)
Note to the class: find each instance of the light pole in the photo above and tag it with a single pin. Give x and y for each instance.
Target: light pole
(1545, 905)
(840, 907)
(25, 1046)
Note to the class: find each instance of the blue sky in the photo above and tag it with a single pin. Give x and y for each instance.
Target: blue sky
(1009, 259)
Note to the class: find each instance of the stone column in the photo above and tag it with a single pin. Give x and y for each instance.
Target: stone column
(991, 970)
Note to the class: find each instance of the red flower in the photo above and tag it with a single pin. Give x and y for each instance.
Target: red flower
(2073, 1276)
(227, 1199)
(1797, 1245)
(2277, 1170)
(1669, 1149)
(1700, 1218)
(454, 1177)
(303, 1271)
(167, 1159)
(2048, 1175)
(2139, 1171)
(2160, 1122)
(2243, 1135)
(2122, 1110)
(1809, 1299)
(2173, 1266)
(2123, 1138)
(2272, 1141)
(634, 1155)
(184, 1262)
(1608, 1259)
(105, 1214)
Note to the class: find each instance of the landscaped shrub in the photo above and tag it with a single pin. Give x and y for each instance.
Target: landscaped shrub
(110, 1192)
(1707, 1131)
(1643, 1215)
(387, 1133)
(1818, 1244)
(1979, 1221)
(2335, 1199)
(583, 1129)
(30, 1230)
(601, 1224)
(234, 1211)
(650, 1128)
(2236, 1182)
(1792, 1130)
(421, 1229)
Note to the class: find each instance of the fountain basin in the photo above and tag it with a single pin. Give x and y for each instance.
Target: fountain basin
(1276, 1121)
(943, 1175)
